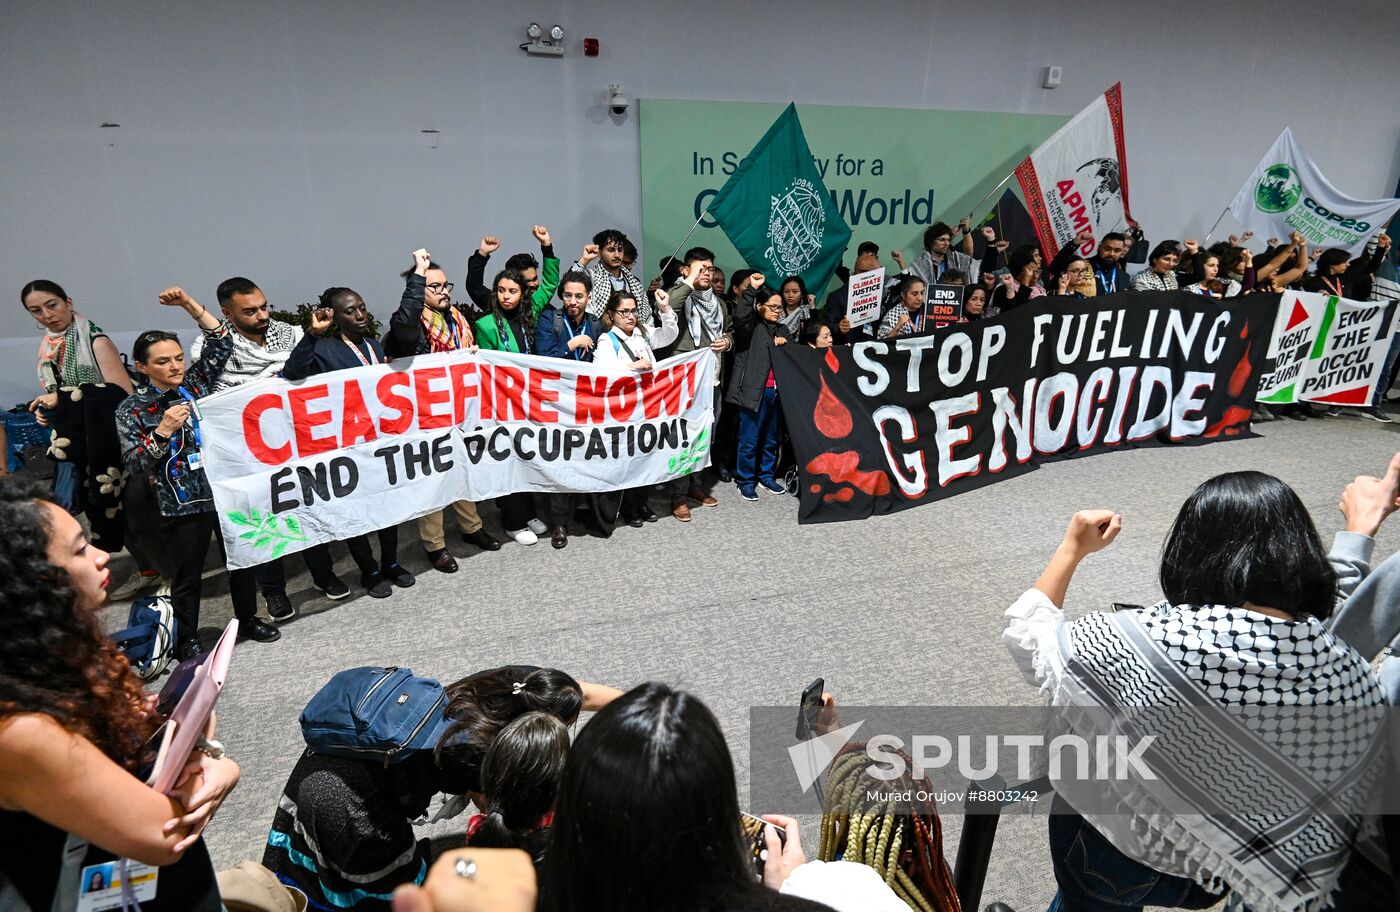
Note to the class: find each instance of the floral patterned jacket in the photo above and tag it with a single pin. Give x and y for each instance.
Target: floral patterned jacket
(181, 488)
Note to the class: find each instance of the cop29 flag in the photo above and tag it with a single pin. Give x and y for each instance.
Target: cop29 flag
(777, 212)
(1286, 192)
(1078, 179)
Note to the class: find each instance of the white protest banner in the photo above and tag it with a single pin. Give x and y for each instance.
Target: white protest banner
(1078, 179)
(1286, 192)
(945, 303)
(863, 299)
(349, 452)
(1326, 349)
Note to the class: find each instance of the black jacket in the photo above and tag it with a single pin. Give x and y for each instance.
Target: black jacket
(405, 338)
(315, 355)
(753, 347)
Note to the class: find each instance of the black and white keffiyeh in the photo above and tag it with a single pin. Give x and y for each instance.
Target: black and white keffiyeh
(1241, 706)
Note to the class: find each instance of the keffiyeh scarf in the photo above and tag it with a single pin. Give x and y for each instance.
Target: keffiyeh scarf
(1208, 680)
(703, 311)
(66, 359)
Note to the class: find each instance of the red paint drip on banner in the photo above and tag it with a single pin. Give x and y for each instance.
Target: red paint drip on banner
(832, 418)
(845, 467)
(1241, 374)
(1236, 416)
(832, 361)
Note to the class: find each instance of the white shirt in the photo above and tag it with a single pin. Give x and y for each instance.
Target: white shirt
(610, 353)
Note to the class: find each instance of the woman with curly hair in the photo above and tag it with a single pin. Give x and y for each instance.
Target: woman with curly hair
(75, 730)
(510, 327)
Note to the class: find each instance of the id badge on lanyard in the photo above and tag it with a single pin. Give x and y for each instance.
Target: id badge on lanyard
(121, 884)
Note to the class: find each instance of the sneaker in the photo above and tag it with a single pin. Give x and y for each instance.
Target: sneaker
(396, 574)
(1374, 414)
(1261, 414)
(279, 607)
(771, 486)
(332, 587)
(258, 630)
(482, 539)
(1333, 412)
(647, 514)
(747, 492)
(376, 585)
(537, 526)
(523, 536)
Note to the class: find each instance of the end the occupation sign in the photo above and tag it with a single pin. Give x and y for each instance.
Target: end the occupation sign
(882, 426)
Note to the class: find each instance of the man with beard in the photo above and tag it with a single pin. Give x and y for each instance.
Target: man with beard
(568, 332)
(704, 324)
(261, 346)
(427, 321)
(1110, 264)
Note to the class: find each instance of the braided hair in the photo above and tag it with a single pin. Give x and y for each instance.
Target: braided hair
(55, 659)
(905, 847)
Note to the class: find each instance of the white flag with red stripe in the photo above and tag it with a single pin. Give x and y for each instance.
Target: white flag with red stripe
(1078, 179)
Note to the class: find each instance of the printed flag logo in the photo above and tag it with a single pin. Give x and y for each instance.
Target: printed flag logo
(812, 757)
(1278, 189)
(795, 225)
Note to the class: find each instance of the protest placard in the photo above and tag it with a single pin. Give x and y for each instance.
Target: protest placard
(863, 299)
(945, 303)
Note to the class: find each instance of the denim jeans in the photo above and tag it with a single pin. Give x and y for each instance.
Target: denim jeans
(760, 433)
(1093, 876)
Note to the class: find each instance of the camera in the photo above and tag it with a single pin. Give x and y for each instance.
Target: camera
(617, 102)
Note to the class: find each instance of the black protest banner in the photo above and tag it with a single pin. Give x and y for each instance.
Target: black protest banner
(881, 426)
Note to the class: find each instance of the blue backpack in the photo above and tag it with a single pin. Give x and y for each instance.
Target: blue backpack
(375, 713)
(150, 635)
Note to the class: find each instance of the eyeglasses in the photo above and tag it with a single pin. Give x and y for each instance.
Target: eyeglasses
(628, 312)
(441, 287)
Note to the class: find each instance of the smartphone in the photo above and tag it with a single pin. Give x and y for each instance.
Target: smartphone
(809, 706)
(171, 397)
(1002, 271)
(753, 838)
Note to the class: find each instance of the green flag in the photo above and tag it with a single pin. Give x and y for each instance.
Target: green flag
(777, 212)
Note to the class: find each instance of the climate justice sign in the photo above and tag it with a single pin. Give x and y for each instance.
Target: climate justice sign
(349, 452)
(882, 426)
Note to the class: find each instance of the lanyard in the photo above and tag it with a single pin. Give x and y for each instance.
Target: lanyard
(574, 335)
(1103, 280)
(918, 327)
(373, 358)
(194, 415)
(1333, 285)
(939, 267)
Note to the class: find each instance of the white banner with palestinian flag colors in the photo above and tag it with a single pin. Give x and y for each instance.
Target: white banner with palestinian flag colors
(1078, 179)
(1286, 192)
(1327, 349)
(353, 451)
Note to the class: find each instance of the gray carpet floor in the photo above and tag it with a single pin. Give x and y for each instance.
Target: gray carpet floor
(743, 607)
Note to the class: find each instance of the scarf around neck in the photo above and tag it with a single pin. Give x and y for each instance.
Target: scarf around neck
(441, 335)
(67, 359)
(1219, 675)
(703, 311)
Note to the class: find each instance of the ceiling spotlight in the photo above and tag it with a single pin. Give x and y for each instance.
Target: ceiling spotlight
(534, 31)
(556, 34)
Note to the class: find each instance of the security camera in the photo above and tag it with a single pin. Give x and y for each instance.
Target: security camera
(617, 102)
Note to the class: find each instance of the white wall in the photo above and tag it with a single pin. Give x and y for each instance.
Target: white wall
(280, 140)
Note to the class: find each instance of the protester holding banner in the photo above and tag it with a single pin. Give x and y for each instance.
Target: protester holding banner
(1248, 587)
(757, 330)
(75, 729)
(160, 436)
(610, 274)
(707, 324)
(343, 311)
(1160, 274)
(629, 345)
(1208, 281)
(539, 287)
(427, 321)
(836, 314)
(1107, 266)
(510, 326)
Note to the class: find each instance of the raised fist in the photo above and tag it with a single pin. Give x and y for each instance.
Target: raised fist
(489, 245)
(965, 225)
(663, 300)
(989, 232)
(541, 234)
(422, 259)
(756, 280)
(175, 297)
(590, 253)
(321, 320)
